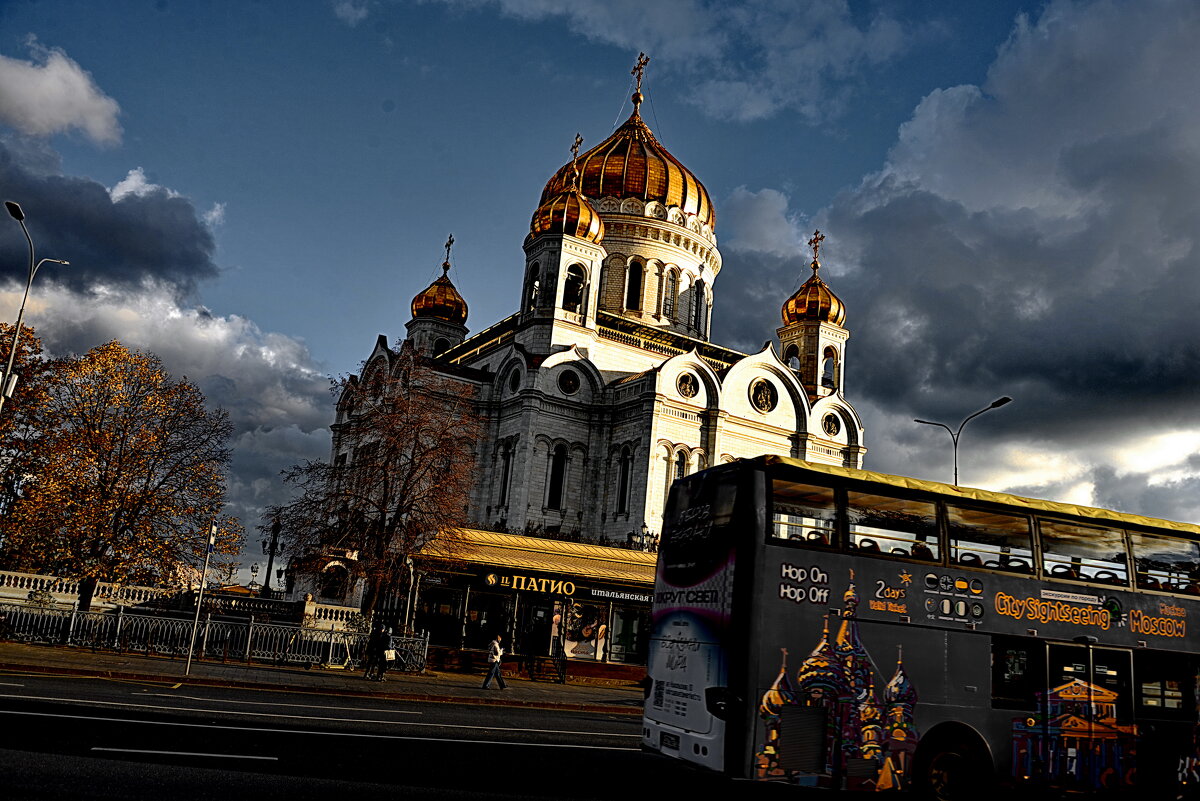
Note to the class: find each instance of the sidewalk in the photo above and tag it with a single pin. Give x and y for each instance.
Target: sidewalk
(462, 688)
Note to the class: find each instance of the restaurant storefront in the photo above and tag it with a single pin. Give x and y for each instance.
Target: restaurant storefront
(547, 597)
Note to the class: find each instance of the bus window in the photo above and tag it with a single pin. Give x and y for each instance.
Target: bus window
(1018, 672)
(892, 526)
(1083, 553)
(1165, 563)
(803, 513)
(989, 539)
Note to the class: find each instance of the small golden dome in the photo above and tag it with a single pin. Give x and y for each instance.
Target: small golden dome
(568, 212)
(814, 301)
(441, 300)
(631, 163)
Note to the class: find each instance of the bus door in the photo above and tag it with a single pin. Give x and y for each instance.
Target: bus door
(1089, 733)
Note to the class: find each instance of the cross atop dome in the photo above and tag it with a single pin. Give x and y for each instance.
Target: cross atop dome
(815, 244)
(637, 72)
(446, 263)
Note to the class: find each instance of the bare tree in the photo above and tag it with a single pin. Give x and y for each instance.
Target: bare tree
(401, 473)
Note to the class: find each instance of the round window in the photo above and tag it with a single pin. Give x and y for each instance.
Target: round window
(763, 395)
(688, 385)
(831, 425)
(568, 382)
(514, 380)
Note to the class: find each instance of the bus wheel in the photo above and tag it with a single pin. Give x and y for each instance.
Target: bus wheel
(954, 771)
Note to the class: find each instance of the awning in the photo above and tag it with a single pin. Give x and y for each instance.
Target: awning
(516, 552)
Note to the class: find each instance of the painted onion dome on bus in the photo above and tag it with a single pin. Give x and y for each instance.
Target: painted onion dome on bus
(823, 670)
(440, 300)
(814, 300)
(568, 212)
(899, 689)
(780, 693)
(632, 164)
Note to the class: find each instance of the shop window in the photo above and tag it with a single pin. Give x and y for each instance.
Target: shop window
(629, 638)
(487, 615)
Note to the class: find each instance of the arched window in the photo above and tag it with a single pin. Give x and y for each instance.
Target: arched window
(440, 346)
(792, 357)
(829, 369)
(558, 478)
(573, 290)
(624, 468)
(505, 474)
(334, 582)
(669, 295)
(532, 288)
(680, 465)
(633, 287)
(699, 308)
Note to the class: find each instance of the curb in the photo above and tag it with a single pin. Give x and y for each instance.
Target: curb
(47, 670)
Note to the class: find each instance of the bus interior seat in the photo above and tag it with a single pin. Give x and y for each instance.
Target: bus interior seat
(1064, 571)
(818, 537)
(970, 559)
(921, 551)
(870, 546)
(1149, 583)
(1108, 577)
(1017, 564)
(898, 552)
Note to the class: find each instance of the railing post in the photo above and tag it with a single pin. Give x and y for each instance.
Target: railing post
(204, 640)
(120, 620)
(249, 639)
(71, 624)
(329, 656)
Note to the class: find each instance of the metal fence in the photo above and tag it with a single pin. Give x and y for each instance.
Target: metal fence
(227, 640)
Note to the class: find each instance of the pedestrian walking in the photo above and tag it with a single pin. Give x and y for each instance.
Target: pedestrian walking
(374, 652)
(495, 652)
(386, 653)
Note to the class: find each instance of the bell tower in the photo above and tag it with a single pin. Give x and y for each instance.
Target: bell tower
(439, 314)
(812, 339)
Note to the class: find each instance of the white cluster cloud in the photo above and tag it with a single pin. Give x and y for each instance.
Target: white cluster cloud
(1033, 236)
(757, 58)
(277, 396)
(136, 184)
(52, 94)
(351, 12)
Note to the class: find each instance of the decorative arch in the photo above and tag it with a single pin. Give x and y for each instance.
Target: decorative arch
(635, 279)
(575, 289)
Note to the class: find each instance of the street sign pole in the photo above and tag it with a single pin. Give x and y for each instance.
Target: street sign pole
(212, 541)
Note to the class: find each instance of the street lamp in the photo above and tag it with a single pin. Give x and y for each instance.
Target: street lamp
(270, 549)
(10, 379)
(996, 404)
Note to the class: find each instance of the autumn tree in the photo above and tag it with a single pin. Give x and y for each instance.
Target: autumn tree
(16, 421)
(402, 470)
(125, 477)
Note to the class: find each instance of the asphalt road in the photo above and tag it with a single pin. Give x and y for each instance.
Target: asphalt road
(67, 738)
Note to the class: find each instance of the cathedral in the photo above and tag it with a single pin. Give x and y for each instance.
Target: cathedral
(602, 387)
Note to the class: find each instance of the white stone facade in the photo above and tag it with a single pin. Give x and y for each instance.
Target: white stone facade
(602, 386)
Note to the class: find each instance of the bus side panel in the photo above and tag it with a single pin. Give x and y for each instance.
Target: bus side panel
(688, 706)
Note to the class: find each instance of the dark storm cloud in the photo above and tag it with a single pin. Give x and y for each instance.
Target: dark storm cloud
(153, 236)
(1033, 237)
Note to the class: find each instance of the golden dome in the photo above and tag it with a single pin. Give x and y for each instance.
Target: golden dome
(441, 300)
(632, 164)
(814, 301)
(568, 212)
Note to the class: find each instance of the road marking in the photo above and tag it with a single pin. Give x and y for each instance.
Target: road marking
(176, 686)
(268, 703)
(359, 735)
(90, 702)
(185, 753)
(10, 684)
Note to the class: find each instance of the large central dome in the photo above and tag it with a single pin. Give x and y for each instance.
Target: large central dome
(631, 163)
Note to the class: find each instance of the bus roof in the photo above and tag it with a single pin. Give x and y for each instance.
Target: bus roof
(950, 491)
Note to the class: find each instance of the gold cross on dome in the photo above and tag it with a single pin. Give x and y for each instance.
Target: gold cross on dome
(446, 263)
(639, 69)
(815, 242)
(575, 147)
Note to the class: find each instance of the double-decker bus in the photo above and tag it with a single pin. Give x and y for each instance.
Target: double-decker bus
(829, 627)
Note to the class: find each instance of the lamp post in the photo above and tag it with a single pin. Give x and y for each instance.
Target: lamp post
(996, 404)
(270, 549)
(10, 380)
